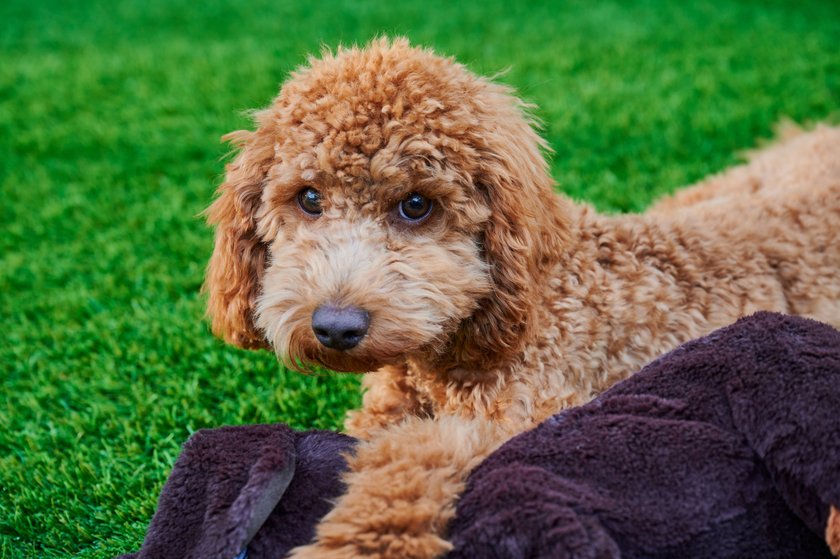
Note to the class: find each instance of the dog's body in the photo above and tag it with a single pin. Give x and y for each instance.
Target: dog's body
(626, 289)
(502, 303)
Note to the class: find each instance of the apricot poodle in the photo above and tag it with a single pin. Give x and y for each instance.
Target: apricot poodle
(394, 214)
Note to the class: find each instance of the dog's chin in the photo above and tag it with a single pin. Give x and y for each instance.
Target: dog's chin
(362, 359)
(343, 362)
(310, 354)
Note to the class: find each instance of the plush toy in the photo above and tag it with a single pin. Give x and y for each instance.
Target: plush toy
(727, 447)
(223, 497)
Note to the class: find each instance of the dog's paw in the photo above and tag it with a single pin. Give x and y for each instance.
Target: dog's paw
(401, 491)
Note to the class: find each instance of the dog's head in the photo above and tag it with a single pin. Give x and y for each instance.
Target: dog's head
(391, 205)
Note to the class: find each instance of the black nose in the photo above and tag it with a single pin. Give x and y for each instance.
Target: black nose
(340, 328)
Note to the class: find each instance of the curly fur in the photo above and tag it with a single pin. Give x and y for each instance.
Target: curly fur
(509, 302)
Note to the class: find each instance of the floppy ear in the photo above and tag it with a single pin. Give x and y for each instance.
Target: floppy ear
(236, 267)
(528, 226)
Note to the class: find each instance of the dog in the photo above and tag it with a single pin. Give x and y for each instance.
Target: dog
(393, 214)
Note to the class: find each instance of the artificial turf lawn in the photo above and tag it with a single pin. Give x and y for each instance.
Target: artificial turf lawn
(110, 116)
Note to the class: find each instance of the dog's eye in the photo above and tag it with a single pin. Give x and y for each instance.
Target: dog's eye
(415, 207)
(309, 201)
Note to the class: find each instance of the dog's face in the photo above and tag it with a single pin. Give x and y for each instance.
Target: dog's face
(373, 250)
(390, 206)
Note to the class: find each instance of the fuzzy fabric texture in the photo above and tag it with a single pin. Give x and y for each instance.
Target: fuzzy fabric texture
(727, 447)
(214, 502)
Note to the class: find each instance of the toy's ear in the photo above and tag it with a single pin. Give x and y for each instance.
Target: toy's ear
(234, 275)
(528, 226)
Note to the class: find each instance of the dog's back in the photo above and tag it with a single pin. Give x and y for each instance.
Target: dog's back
(783, 204)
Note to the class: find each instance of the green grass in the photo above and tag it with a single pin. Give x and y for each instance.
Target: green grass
(109, 123)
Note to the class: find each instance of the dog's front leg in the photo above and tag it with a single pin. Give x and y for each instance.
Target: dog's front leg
(402, 486)
(388, 399)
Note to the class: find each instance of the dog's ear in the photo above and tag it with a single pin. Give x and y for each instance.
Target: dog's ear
(234, 275)
(528, 226)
